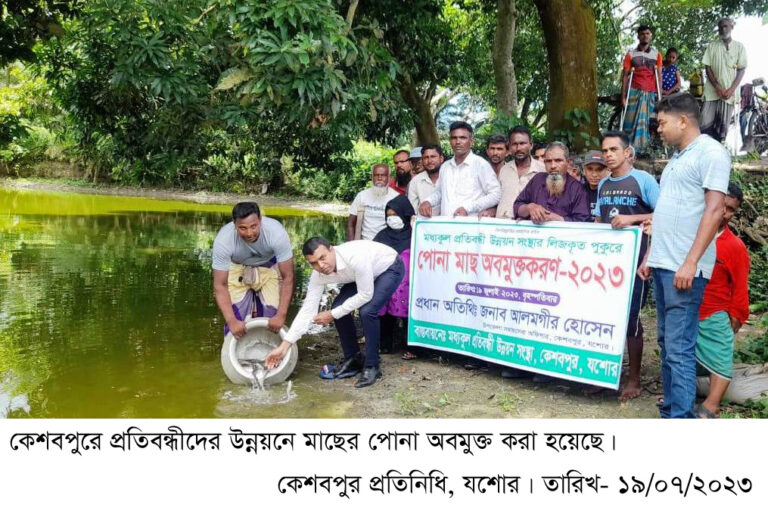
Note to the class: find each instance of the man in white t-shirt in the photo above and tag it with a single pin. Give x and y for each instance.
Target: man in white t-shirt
(371, 204)
(252, 269)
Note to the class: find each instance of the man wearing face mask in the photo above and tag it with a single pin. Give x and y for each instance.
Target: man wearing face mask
(553, 195)
(516, 174)
(725, 61)
(397, 235)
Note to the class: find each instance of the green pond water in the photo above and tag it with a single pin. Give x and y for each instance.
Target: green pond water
(106, 310)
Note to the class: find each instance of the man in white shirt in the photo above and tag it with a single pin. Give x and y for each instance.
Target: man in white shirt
(370, 272)
(423, 185)
(516, 174)
(370, 204)
(467, 182)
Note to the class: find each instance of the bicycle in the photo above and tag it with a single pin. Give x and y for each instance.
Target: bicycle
(753, 118)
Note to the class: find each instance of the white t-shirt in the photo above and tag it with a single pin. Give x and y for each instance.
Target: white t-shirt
(374, 217)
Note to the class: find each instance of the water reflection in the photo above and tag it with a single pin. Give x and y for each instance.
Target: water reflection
(107, 310)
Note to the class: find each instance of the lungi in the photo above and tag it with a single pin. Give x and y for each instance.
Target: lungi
(640, 108)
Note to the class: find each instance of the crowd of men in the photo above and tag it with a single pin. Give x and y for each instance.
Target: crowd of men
(647, 78)
(698, 267)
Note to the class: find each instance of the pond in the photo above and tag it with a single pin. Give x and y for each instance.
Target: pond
(106, 307)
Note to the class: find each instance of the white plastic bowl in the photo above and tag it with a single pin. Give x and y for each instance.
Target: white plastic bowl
(256, 344)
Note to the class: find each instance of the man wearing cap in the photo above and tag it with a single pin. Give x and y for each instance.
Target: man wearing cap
(415, 159)
(594, 171)
(423, 185)
(403, 172)
(627, 197)
(725, 61)
(515, 175)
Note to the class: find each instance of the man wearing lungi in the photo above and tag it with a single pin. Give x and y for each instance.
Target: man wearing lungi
(644, 64)
(724, 309)
(725, 61)
(252, 269)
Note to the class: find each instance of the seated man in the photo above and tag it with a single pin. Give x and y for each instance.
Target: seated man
(366, 214)
(246, 253)
(724, 309)
(553, 195)
(370, 272)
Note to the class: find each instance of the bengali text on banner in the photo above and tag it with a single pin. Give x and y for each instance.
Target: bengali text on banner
(550, 298)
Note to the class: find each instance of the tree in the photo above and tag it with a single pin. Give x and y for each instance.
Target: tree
(23, 22)
(570, 33)
(419, 38)
(503, 66)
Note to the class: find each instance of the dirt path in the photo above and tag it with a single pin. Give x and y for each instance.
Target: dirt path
(438, 387)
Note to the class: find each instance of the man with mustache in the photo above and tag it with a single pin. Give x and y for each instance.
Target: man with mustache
(553, 195)
(682, 257)
(423, 185)
(369, 273)
(467, 183)
(369, 204)
(725, 61)
(639, 96)
(518, 172)
(403, 172)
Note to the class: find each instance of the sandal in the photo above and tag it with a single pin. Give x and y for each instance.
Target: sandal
(702, 412)
(409, 356)
(326, 372)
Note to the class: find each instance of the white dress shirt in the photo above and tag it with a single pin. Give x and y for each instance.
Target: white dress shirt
(420, 189)
(472, 185)
(359, 261)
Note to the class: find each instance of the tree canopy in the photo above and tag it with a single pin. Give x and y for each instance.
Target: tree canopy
(182, 91)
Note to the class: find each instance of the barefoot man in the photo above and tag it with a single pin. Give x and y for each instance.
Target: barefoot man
(252, 269)
(627, 197)
(724, 309)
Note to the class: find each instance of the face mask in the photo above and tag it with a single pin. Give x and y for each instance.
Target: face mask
(395, 222)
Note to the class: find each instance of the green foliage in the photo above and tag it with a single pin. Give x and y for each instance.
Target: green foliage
(351, 175)
(577, 136)
(23, 22)
(11, 128)
(755, 350)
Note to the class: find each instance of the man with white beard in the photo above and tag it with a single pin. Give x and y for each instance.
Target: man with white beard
(554, 194)
(370, 204)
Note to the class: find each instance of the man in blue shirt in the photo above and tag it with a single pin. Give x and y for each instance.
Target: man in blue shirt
(682, 254)
(627, 197)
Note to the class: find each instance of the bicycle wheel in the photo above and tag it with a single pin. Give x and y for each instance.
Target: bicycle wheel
(758, 131)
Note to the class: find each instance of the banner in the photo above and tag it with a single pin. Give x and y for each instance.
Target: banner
(552, 298)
